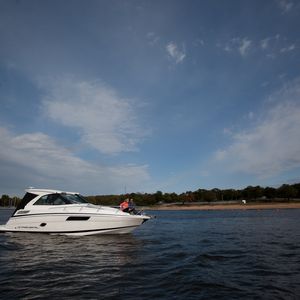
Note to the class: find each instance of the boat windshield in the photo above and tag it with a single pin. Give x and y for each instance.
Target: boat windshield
(60, 199)
(73, 198)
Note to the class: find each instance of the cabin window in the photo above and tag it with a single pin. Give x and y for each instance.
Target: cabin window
(51, 199)
(74, 198)
(60, 199)
(42, 201)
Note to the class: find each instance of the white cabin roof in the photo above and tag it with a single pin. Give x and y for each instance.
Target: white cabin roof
(46, 191)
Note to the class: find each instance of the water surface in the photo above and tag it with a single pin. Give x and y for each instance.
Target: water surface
(178, 255)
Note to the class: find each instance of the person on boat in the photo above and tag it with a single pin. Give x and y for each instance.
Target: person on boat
(131, 207)
(124, 206)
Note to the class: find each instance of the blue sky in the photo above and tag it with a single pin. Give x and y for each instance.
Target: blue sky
(111, 96)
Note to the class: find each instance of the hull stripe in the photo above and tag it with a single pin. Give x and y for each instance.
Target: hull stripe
(76, 231)
(81, 214)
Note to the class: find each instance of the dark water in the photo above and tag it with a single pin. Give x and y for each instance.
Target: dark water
(178, 255)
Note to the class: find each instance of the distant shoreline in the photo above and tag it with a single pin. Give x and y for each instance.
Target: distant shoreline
(248, 206)
(213, 206)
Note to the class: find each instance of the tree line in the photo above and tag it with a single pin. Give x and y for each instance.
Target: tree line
(285, 192)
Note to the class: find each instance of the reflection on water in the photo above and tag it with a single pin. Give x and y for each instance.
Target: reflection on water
(33, 263)
(55, 248)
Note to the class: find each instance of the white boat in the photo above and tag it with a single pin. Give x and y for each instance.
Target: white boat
(68, 213)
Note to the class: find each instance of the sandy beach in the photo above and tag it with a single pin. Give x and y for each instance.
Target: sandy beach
(256, 206)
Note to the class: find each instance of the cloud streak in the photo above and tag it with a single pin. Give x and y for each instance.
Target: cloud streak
(105, 121)
(237, 44)
(244, 46)
(178, 55)
(271, 46)
(272, 146)
(285, 5)
(35, 159)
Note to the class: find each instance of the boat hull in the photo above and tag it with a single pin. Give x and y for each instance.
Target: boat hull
(74, 224)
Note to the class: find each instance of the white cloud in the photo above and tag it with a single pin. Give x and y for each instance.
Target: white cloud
(271, 146)
(285, 5)
(288, 49)
(227, 48)
(105, 121)
(265, 43)
(237, 44)
(37, 160)
(250, 115)
(244, 46)
(271, 46)
(177, 55)
(153, 38)
(198, 42)
(280, 45)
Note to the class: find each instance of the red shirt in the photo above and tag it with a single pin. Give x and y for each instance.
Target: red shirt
(124, 205)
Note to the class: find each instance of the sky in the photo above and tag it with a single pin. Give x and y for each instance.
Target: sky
(113, 97)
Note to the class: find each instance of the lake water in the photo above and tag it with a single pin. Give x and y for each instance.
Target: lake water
(178, 255)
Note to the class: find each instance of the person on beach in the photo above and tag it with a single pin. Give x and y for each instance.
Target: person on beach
(124, 206)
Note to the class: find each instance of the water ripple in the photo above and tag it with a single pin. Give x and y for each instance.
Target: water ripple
(179, 255)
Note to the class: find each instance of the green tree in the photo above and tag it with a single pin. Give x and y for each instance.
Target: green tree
(253, 192)
(5, 200)
(286, 191)
(270, 192)
(159, 197)
(199, 194)
(297, 187)
(209, 196)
